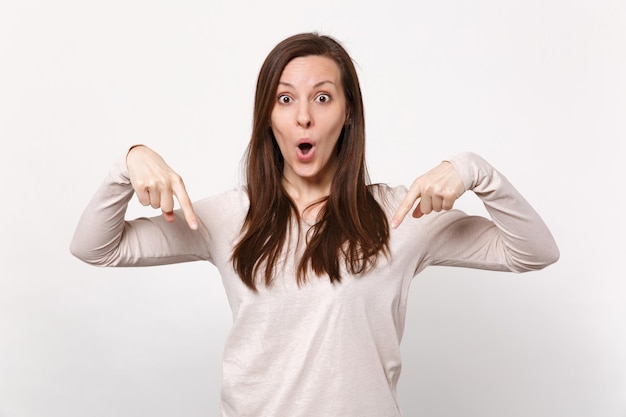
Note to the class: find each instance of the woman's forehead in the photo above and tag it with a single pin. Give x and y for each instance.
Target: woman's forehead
(311, 70)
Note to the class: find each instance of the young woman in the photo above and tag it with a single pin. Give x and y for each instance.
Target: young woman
(315, 261)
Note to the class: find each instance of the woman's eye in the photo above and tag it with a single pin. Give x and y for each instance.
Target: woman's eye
(323, 98)
(284, 99)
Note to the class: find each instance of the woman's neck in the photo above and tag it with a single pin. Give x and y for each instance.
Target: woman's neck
(305, 195)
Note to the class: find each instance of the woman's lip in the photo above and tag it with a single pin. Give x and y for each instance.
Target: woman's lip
(305, 140)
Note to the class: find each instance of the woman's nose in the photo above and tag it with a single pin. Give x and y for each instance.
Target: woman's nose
(304, 116)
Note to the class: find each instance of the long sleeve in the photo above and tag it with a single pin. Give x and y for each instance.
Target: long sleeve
(514, 238)
(516, 233)
(103, 237)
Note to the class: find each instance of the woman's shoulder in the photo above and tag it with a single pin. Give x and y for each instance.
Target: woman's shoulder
(232, 197)
(233, 202)
(388, 195)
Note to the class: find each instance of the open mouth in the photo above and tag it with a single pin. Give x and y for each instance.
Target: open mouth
(305, 148)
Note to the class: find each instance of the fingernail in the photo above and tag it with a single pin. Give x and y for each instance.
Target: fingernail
(394, 223)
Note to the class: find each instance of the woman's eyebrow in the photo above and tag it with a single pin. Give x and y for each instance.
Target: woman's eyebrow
(319, 84)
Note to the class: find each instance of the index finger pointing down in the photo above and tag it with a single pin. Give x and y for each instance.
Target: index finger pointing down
(404, 208)
(185, 204)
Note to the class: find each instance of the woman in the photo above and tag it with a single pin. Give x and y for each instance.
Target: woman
(316, 263)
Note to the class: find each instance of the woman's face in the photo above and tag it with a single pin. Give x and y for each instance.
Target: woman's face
(307, 119)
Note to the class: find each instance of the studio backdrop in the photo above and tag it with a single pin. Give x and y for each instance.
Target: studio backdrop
(538, 88)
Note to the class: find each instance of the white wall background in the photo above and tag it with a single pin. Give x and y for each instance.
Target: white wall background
(537, 87)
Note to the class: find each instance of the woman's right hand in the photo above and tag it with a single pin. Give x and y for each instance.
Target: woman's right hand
(156, 184)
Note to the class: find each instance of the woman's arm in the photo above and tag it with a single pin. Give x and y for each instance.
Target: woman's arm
(515, 238)
(104, 238)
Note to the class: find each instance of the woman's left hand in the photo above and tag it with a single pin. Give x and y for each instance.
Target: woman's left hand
(436, 190)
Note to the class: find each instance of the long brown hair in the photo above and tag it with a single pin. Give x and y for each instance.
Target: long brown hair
(352, 226)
